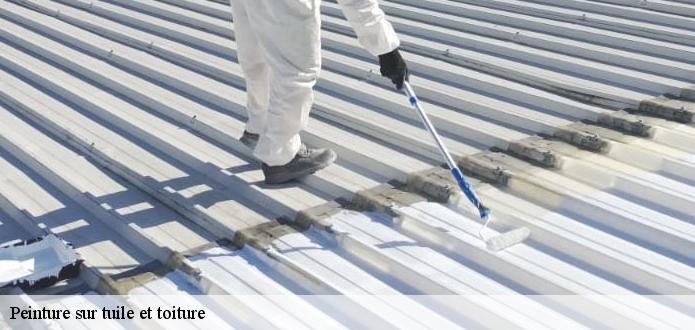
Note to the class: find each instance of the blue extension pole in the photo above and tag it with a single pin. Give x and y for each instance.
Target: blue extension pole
(455, 170)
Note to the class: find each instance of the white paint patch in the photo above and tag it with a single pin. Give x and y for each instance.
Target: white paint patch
(35, 261)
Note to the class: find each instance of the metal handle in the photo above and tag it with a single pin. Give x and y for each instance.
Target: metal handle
(428, 124)
(455, 171)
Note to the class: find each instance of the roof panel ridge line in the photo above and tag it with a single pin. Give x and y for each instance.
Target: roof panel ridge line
(620, 11)
(577, 159)
(624, 122)
(529, 184)
(549, 151)
(80, 4)
(203, 126)
(128, 63)
(95, 279)
(146, 45)
(33, 6)
(317, 284)
(107, 285)
(562, 29)
(22, 217)
(147, 7)
(627, 77)
(104, 213)
(387, 199)
(688, 93)
(201, 8)
(436, 185)
(97, 109)
(274, 257)
(199, 279)
(547, 84)
(380, 198)
(550, 237)
(146, 184)
(675, 8)
(415, 222)
(144, 274)
(206, 127)
(585, 19)
(660, 108)
(550, 59)
(139, 24)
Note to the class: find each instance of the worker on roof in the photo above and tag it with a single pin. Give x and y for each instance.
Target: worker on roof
(279, 49)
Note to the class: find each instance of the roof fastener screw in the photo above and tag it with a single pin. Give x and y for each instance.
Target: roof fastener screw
(369, 75)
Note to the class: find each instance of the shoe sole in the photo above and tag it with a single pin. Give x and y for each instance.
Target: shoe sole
(304, 173)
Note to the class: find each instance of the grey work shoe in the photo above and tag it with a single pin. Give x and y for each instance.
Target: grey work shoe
(306, 162)
(250, 140)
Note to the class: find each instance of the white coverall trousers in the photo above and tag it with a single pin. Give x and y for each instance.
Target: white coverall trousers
(279, 50)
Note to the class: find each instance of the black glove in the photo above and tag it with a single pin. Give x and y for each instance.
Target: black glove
(393, 67)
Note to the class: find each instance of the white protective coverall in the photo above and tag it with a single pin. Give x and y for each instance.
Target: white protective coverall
(279, 49)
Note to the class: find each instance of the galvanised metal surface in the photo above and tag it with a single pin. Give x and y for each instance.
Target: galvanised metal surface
(118, 131)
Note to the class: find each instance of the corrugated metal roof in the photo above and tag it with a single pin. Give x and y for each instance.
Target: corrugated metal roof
(118, 133)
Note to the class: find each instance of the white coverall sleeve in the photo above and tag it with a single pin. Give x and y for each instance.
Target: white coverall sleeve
(373, 31)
